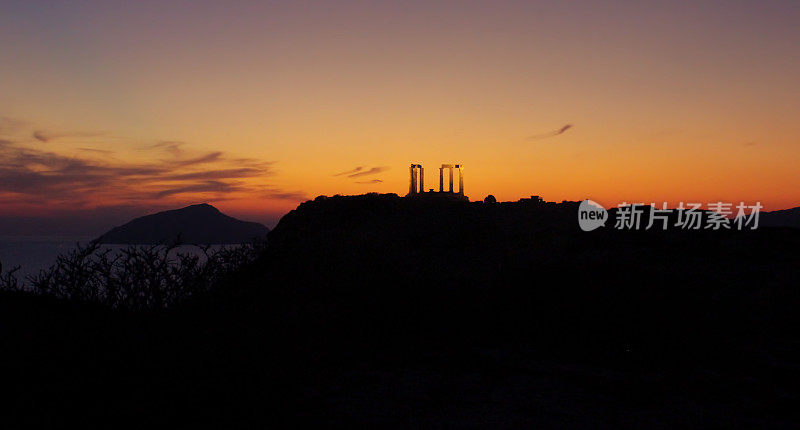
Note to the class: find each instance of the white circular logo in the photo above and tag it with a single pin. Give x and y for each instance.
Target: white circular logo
(591, 215)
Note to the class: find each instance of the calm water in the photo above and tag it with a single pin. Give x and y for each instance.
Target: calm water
(36, 253)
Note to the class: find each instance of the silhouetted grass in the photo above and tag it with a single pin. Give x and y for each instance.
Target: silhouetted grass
(134, 278)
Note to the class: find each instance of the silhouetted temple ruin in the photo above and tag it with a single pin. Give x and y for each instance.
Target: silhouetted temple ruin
(416, 182)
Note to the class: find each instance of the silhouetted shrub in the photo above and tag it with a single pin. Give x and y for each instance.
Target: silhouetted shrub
(8, 280)
(136, 277)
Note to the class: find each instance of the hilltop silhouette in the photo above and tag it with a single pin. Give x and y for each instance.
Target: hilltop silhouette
(201, 223)
(781, 218)
(378, 310)
(480, 307)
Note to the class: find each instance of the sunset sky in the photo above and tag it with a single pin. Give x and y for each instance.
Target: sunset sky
(116, 108)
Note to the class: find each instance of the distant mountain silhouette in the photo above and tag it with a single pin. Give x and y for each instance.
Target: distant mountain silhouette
(781, 218)
(202, 224)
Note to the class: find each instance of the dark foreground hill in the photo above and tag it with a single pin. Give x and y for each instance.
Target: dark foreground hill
(380, 311)
(201, 223)
(782, 218)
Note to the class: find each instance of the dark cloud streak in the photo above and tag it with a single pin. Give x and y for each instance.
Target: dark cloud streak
(550, 134)
(350, 172)
(44, 136)
(203, 187)
(203, 159)
(372, 171)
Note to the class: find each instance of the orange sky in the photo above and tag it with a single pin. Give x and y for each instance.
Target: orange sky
(254, 108)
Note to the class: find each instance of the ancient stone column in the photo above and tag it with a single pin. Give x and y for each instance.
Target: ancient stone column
(421, 178)
(451, 178)
(461, 179)
(441, 179)
(411, 179)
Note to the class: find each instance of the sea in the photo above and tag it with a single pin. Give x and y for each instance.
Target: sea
(35, 253)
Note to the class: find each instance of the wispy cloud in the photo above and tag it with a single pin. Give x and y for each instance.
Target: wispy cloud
(550, 134)
(285, 195)
(44, 136)
(35, 175)
(173, 147)
(87, 173)
(374, 181)
(372, 171)
(201, 187)
(219, 174)
(350, 172)
(98, 151)
(203, 159)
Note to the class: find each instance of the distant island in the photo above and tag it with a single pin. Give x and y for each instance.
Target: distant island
(201, 223)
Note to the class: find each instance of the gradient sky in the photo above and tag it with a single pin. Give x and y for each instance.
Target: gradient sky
(126, 107)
